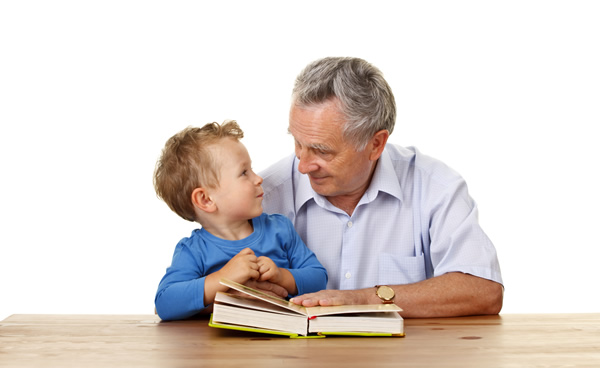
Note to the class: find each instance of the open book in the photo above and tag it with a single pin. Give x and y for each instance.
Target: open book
(256, 311)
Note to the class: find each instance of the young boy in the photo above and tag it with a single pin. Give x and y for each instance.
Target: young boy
(205, 175)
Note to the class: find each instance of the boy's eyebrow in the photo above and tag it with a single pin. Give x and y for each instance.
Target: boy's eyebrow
(245, 163)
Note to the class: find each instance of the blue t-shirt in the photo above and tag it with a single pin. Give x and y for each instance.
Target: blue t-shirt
(181, 291)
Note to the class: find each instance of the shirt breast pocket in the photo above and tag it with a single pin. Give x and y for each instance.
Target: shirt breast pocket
(397, 270)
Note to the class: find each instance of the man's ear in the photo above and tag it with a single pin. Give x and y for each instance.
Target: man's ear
(377, 144)
(201, 200)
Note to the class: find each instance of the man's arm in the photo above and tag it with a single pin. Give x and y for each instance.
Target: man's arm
(449, 295)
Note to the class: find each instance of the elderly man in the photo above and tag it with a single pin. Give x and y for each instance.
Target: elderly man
(389, 223)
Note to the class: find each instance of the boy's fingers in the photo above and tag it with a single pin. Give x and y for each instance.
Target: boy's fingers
(269, 288)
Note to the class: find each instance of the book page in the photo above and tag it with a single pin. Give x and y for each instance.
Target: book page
(345, 309)
(246, 301)
(391, 323)
(264, 296)
(252, 318)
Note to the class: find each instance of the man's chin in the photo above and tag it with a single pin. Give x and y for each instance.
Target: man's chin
(320, 187)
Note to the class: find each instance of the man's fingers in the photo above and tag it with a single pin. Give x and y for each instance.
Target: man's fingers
(322, 298)
(307, 300)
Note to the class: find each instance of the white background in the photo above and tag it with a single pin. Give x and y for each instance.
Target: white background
(505, 92)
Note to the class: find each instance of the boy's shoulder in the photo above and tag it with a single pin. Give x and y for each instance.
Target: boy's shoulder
(274, 221)
(193, 240)
(270, 218)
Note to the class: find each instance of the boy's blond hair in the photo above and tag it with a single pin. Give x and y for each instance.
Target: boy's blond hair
(186, 163)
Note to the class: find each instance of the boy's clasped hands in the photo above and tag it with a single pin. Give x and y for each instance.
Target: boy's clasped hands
(246, 266)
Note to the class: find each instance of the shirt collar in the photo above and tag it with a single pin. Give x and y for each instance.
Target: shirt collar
(384, 180)
(303, 189)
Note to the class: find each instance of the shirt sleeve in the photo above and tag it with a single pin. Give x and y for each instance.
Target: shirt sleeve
(181, 291)
(458, 243)
(309, 274)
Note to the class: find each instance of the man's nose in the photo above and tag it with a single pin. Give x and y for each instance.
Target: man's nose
(306, 162)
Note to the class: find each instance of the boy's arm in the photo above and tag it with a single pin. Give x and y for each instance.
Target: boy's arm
(211, 286)
(179, 300)
(288, 281)
(180, 293)
(308, 273)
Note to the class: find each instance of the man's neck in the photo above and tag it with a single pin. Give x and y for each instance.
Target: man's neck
(348, 202)
(345, 203)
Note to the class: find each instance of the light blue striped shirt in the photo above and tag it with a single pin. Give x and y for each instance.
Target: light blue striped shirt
(415, 221)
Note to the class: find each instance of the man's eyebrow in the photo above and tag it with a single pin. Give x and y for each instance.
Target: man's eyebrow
(314, 146)
(319, 147)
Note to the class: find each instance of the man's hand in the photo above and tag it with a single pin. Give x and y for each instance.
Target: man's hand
(333, 297)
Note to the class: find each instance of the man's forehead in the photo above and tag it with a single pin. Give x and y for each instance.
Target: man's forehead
(315, 122)
(314, 137)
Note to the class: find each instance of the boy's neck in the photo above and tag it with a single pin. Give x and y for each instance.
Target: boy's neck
(230, 231)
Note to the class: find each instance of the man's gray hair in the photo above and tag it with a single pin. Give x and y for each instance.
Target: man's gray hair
(364, 96)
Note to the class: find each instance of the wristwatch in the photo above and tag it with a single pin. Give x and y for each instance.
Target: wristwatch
(385, 293)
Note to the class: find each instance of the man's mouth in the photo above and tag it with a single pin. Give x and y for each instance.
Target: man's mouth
(316, 178)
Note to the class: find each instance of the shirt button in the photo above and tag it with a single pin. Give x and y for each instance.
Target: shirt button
(349, 224)
(348, 275)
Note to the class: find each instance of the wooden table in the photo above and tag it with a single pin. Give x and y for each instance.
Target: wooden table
(550, 340)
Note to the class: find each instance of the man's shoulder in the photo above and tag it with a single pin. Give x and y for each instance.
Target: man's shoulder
(278, 186)
(278, 174)
(411, 159)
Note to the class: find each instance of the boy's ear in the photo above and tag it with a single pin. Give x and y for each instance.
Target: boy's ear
(201, 200)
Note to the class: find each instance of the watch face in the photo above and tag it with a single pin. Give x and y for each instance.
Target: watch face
(385, 292)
